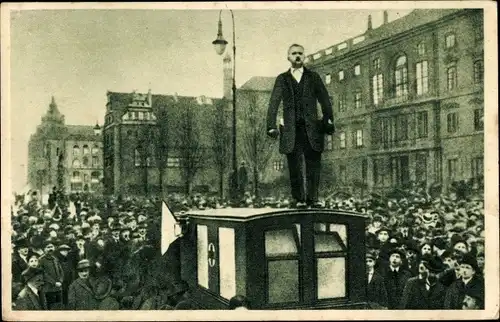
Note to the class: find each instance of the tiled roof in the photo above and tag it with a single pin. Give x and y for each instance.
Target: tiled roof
(82, 132)
(160, 99)
(259, 83)
(416, 18)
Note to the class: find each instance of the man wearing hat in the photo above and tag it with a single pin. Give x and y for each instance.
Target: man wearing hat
(395, 278)
(411, 263)
(424, 292)
(180, 297)
(32, 298)
(375, 288)
(470, 281)
(67, 265)
(19, 259)
(53, 275)
(80, 293)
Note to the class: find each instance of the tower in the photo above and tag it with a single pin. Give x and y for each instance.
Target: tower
(228, 76)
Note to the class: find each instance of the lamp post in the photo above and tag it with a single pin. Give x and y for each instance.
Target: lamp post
(220, 46)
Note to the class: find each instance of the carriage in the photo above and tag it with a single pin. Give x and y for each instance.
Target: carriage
(276, 258)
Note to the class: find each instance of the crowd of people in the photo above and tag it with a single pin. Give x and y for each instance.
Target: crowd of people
(87, 252)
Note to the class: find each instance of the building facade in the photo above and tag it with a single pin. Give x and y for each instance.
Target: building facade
(408, 101)
(65, 156)
(158, 143)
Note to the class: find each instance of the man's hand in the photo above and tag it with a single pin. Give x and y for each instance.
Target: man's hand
(273, 133)
(328, 126)
(58, 284)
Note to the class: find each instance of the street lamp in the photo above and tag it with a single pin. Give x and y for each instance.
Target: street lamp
(220, 46)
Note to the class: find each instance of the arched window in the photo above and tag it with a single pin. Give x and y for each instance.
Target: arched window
(95, 161)
(76, 150)
(137, 158)
(76, 177)
(95, 150)
(76, 163)
(94, 177)
(478, 72)
(86, 149)
(85, 161)
(401, 77)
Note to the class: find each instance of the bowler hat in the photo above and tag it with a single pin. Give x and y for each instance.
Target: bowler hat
(63, 247)
(30, 273)
(83, 264)
(371, 255)
(397, 250)
(432, 263)
(412, 245)
(21, 243)
(439, 243)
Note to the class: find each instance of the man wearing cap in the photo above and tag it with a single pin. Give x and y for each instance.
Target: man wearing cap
(375, 288)
(32, 298)
(80, 293)
(395, 278)
(53, 276)
(424, 292)
(470, 281)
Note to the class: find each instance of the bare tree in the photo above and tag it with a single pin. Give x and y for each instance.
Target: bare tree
(188, 143)
(161, 139)
(257, 149)
(220, 142)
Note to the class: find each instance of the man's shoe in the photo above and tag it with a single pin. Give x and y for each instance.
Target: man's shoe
(315, 204)
(301, 205)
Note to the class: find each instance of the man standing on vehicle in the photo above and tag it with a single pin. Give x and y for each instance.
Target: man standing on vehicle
(302, 134)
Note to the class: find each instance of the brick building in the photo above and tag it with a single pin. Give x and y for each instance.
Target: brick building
(408, 101)
(136, 147)
(66, 156)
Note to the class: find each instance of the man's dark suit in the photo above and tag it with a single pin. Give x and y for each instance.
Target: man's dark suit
(302, 132)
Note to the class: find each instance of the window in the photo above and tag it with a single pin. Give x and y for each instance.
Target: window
(478, 72)
(376, 64)
(329, 142)
(76, 163)
(136, 115)
(342, 104)
(85, 177)
(86, 149)
(278, 165)
(202, 254)
(401, 77)
(85, 161)
(95, 150)
(330, 253)
(402, 127)
(359, 138)
(173, 162)
(227, 262)
(452, 168)
(452, 122)
(76, 176)
(357, 70)
(341, 75)
(357, 99)
(477, 167)
(94, 177)
(379, 171)
(137, 158)
(76, 150)
(421, 49)
(421, 168)
(451, 77)
(328, 78)
(478, 119)
(377, 88)
(342, 140)
(422, 124)
(95, 161)
(422, 78)
(450, 40)
(282, 249)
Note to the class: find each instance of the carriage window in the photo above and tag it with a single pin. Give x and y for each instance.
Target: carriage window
(227, 263)
(202, 246)
(330, 247)
(282, 255)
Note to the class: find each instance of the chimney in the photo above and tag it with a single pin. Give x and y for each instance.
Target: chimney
(369, 22)
(150, 98)
(386, 17)
(97, 129)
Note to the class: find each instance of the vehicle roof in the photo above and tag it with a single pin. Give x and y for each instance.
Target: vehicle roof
(245, 214)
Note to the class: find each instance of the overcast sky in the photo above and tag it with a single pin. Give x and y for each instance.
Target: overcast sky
(77, 55)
